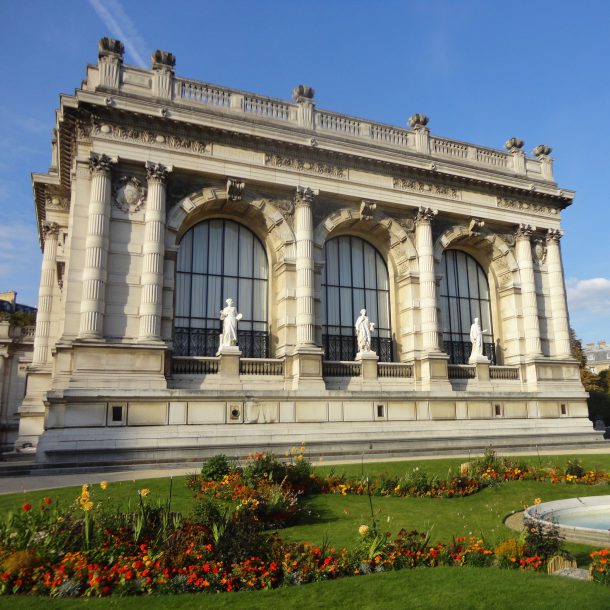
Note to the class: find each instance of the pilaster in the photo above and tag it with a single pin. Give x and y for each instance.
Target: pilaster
(543, 152)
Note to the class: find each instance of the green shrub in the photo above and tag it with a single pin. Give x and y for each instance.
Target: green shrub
(217, 467)
(574, 468)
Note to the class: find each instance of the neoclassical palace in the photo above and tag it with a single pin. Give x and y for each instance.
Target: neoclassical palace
(167, 196)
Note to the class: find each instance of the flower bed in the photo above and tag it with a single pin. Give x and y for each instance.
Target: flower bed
(93, 548)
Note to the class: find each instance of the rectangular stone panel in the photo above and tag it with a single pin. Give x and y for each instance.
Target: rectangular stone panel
(147, 414)
(287, 412)
(578, 409)
(401, 411)
(442, 410)
(479, 410)
(206, 412)
(358, 411)
(177, 413)
(88, 414)
(515, 410)
(548, 409)
(311, 411)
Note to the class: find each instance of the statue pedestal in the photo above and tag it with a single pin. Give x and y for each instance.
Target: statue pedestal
(433, 371)
(229, 361)
(368, 365)
(478, 359)
(307, 368)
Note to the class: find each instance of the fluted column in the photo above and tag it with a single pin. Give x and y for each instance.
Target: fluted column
(529, 301)
(559, 309)
(45, 293)
(96, 250)
(303, 228)
(427, 279)
(151, 299)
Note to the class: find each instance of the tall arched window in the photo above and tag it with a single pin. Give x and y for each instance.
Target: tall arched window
(220, 259)
(355, 277)
(464, 296)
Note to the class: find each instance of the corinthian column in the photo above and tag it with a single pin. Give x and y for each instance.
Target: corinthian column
(427, 279)
(45, 293)
(303, 229)
(559, 308)
(154, 246)
(96, 250)
(528, 290)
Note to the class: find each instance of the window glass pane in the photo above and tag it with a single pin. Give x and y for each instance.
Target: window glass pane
(200, 248)
(184, 253)
(383, 311)
(260, 261)
(382, 274)
(370, 271)
(451, 274)
(244, 305)
(358, 301)
(183, 284)
(214, 297)
(246, 244)
(215, 246)
(462, 275)
(231, 253)
(357, 263)
(345, 278)
(346, 307)
(483, 285)
(473, 278)
(259, 302)
(332, 262)
(198, 296)
(371, 306)
(445, 314)
(230, 291)
(332, 302)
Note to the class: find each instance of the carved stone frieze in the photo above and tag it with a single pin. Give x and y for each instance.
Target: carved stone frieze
(526, 206)
(56, 202)
(367, 209)
(129, 195)
(301, 165)
(427, 188)
(235, 189)
(143, 136)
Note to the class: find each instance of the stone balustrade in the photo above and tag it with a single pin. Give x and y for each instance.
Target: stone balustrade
(394, 369)
(504, 373)
(462, 371)
(196, 94)
(195, 365)
(340, 368)
(261, 366)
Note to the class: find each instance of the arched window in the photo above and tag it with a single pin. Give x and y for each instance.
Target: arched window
(464, 296)
(220, 259)
(355, 277)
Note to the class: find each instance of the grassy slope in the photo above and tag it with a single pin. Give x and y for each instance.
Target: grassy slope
(464, 588)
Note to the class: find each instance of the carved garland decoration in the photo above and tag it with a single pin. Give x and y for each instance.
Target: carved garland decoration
(426, 188)
(526, 206)
(312, 167)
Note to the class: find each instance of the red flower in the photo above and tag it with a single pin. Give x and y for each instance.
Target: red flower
(47, 500)
(27, 507)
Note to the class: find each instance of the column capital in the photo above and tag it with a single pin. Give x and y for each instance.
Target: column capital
(425, 215)
(50, 228)
(235, 189)
(524, 231)
(100, 164)
(157, 171)
(305, 195)
(554, 235)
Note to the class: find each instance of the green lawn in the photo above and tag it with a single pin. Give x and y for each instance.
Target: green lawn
(464, 588)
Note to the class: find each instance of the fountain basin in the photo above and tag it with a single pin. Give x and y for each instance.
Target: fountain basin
(584, 520)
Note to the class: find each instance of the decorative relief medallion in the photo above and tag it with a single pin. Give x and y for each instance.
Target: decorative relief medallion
(539, 251)
(426, 188)
(312, 167)
(143, 136)
(55, 202)
(526, 206)
(129, 195)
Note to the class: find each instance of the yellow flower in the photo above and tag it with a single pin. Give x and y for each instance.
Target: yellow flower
(363, 530)
(537, 500)
(299, 457)
(87, 506)
(144, 492)
(85, 487)
(84, 496)
(104, 485)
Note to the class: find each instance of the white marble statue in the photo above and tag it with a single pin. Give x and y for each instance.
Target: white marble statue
(364, 328)
(476, 338)
(229, 317)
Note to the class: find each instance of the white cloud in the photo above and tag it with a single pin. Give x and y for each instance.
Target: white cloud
(122, 27)
(591, 295)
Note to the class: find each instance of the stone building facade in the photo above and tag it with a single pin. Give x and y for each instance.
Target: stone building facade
(166, 196)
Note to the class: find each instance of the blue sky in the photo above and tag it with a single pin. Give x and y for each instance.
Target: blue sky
(483, 71)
